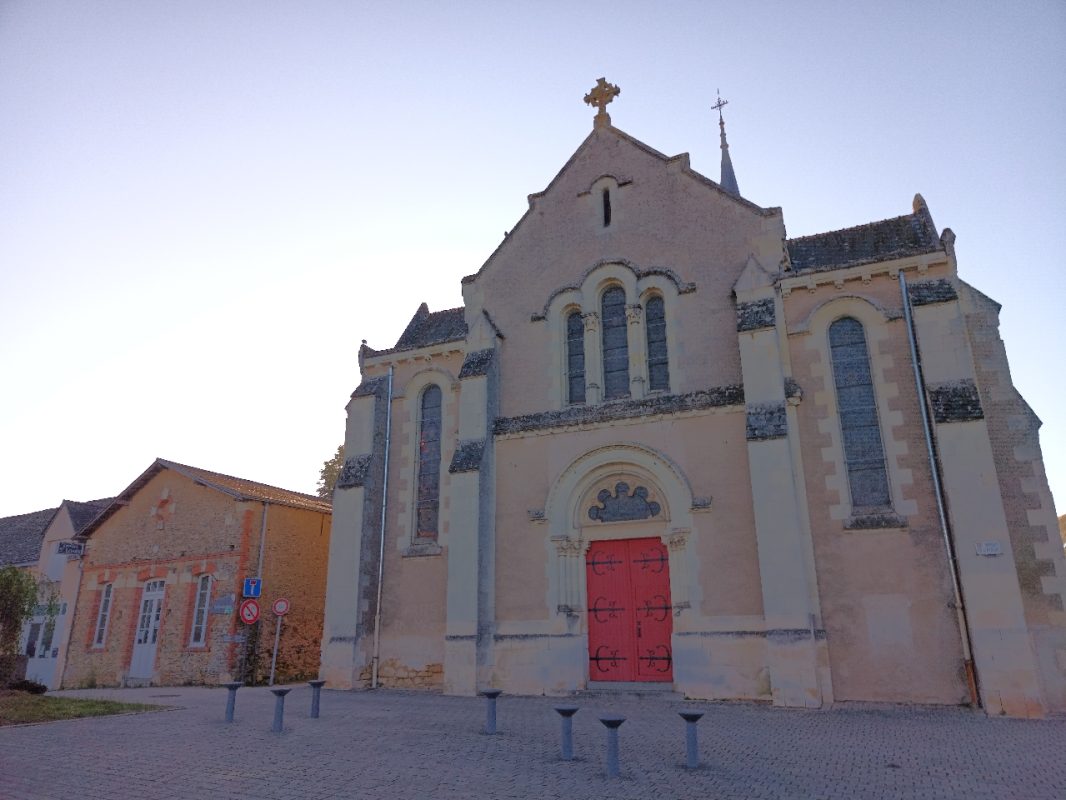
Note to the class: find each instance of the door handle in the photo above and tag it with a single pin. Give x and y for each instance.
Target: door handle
(638, 629)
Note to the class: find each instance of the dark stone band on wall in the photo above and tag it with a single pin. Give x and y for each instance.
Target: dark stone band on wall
(467, 457)
(756, 315)
(476, 363)
(718, 397)
(929, 292)
(956, 402)
(354, 471)
(766, 422)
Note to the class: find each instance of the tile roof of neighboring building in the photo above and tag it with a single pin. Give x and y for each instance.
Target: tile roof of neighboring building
(911, 234)
(237, 488)
(81, 514)
(21, 536)
(242, 489)
(428, 328)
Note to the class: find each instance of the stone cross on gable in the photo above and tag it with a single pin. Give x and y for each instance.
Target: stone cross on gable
(600, 95)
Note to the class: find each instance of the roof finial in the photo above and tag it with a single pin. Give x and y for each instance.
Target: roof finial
(600, 95)
(729, 179)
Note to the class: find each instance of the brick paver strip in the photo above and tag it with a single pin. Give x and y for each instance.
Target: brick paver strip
(391, 744)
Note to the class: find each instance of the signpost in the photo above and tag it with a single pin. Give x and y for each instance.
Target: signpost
(70, 548)
(253, 587)
(280, 608)
(249, 612)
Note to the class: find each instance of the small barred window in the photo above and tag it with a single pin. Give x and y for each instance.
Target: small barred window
(575, 358)
(615, 344)
(863, 452)
(655, 324)
(429, 464)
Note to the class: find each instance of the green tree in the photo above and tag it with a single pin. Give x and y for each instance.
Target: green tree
(327, 476)
(18, 600)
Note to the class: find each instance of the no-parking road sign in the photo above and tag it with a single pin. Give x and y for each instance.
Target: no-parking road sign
(249, 611)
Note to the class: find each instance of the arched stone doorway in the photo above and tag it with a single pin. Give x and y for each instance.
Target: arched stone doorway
(620, 521)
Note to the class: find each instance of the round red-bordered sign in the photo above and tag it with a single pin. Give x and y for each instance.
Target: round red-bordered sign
(249, 611)
(280, 607)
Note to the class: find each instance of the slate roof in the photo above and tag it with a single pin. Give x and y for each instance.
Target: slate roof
(911, 234)
(81, 514)
(21, 536)
(237, 488)
(427, 328)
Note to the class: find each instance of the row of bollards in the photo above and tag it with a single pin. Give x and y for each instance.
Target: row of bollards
(279, 702)
(612, 722)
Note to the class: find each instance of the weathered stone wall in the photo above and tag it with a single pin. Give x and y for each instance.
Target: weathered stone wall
(196, 531)
(884, 590)
(1027, 502)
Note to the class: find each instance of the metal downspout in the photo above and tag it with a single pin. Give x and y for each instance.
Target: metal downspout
(381, 543)
(938, 491)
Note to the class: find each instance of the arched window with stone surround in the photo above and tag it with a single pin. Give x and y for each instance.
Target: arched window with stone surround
(429, 433)
(575, 358)
(615, 343)
(655, 326)
(864, 453)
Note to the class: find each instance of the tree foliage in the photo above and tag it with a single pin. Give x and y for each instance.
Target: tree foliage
(327, 476)
(18, 600)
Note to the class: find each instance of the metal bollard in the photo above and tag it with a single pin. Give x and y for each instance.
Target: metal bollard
(316, 691)
(692, 747)
(279, 708)
(231, 700)
(490, 709)
(613, 723)
(567, 715)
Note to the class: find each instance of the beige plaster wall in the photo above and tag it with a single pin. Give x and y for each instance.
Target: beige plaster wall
(885, 593)
(663, 217)
(415, 575)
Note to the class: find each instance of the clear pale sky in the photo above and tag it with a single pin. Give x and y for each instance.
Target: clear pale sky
(205, 206)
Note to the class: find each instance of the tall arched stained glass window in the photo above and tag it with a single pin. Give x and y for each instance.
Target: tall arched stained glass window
(863, 451)
(615, 344)
(655, 324)
(575, 358)
(429, 464)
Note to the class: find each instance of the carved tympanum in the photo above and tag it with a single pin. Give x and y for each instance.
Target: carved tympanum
(622, 505)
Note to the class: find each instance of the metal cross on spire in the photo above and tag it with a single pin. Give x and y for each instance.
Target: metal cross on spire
(729, 178)
(600, 95)
(718, 106)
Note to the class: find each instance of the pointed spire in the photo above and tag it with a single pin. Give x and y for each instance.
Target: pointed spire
(729, 179)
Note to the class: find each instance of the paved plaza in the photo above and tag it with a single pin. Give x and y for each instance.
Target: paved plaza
(393, 744)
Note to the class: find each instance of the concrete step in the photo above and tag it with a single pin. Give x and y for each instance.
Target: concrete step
(664, 691)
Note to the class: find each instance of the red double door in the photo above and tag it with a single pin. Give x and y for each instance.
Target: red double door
(630, 616)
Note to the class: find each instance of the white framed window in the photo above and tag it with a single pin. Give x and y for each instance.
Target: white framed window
(199, 614)
(103, 616)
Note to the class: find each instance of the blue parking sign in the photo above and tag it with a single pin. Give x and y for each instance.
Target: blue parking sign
(253, 587)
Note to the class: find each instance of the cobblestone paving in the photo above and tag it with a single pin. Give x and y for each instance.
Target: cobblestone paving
(392, 744)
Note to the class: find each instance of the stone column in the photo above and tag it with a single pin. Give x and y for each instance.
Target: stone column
(638, 351)
(782, 531)
(1007, 670)
(353, 556)
(593, 358)
(470, 594)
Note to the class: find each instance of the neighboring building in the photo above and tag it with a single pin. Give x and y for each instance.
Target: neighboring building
(20, 546)
(163, 574)
(662, 442)
(46, 635)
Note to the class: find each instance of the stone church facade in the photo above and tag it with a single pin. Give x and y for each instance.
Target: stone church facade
(663, 443)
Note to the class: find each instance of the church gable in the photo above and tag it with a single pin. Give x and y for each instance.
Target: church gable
(660, 244)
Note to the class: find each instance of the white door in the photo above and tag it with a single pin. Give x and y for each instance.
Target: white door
(143, 662)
